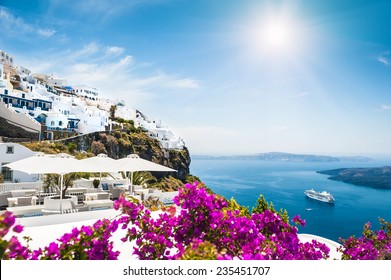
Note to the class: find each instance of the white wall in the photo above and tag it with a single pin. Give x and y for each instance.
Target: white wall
(19, 152)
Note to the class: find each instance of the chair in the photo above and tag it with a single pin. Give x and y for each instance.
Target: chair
(115, 192)
(101, 196)
(4, 200)
(24, 201)
(105, 186)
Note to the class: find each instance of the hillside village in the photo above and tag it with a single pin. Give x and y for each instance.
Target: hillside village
(41, 105)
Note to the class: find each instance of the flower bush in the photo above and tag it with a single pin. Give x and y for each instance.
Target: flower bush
(202, 225)
(372, 245)
(207, 224)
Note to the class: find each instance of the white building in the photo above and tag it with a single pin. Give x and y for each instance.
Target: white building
(5, 58)
(92, 119)
(50, 101)
(156, 129)
(10, 152)
(86, 91)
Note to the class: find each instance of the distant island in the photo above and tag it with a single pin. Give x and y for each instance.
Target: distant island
(377, 177)
(287, 157)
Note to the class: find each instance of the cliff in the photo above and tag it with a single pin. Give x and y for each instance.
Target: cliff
(378, 177)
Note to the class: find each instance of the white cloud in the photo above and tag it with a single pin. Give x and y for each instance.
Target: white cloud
(87, 50)
(184, 83)
(46, 32)
(383, 60)
(16, 26)
(118, 76)
(106, 8)
(302, 94)
(385, 107)
(113, 50)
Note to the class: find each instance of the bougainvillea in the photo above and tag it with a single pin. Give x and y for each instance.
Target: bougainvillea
(204, 219)
(201, 225)
(372, 245)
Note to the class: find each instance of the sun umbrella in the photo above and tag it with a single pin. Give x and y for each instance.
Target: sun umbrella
(40, 163)
(133, 163)
(100, 163)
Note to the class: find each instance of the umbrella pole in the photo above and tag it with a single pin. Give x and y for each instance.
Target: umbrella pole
(62, 181)
(131, 183)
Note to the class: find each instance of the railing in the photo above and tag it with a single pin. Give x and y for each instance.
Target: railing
(166, 198)
(6, 187)
(88, 183)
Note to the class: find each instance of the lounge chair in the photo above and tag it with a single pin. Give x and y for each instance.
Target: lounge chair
(115, 192)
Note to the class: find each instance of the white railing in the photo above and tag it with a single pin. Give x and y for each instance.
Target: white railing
(164, 197)
(88, 183)
(6, 187)
(168, 197)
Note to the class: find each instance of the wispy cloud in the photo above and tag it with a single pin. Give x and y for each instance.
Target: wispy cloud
(11, 25)
(102, 9)
(116, 76)
(385, 107)
(114, 50)
(384, 58)
(302, 94)
(9, 21)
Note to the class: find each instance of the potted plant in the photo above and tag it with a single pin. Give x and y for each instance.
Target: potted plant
(96, 183)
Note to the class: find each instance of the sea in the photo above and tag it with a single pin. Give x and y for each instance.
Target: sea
(284, 183)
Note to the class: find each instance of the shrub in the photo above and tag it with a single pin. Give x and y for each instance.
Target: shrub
(98, 148)
(96, 183)
(72, 147)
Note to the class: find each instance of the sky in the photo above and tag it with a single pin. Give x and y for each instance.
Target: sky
(230, 77)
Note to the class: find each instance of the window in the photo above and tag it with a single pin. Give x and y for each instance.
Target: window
(10, 149)
(6, 172)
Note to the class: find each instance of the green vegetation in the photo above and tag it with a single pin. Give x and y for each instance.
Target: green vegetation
(96, 183)
(263, 205)
(56, 148)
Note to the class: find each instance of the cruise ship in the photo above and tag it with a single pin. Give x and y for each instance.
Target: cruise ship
(321, 196)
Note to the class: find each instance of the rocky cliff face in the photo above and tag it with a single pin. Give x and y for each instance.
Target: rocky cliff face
(13, 132)
(120, 144)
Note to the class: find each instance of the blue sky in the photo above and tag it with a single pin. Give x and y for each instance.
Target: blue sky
(231, 77)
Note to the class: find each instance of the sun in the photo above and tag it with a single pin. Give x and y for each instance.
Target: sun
(275, 35)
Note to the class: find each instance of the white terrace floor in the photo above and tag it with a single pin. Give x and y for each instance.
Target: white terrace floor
(46, 229)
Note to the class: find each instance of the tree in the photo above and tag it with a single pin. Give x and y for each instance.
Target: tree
(143, 178)
(113, 108)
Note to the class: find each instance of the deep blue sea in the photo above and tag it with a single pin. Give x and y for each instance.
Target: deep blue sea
(284, 183)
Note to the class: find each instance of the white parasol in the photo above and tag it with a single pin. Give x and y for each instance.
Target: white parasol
(40, 163)
(133, 163)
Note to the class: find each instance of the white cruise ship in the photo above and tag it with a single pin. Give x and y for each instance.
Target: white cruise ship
(321, 196)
